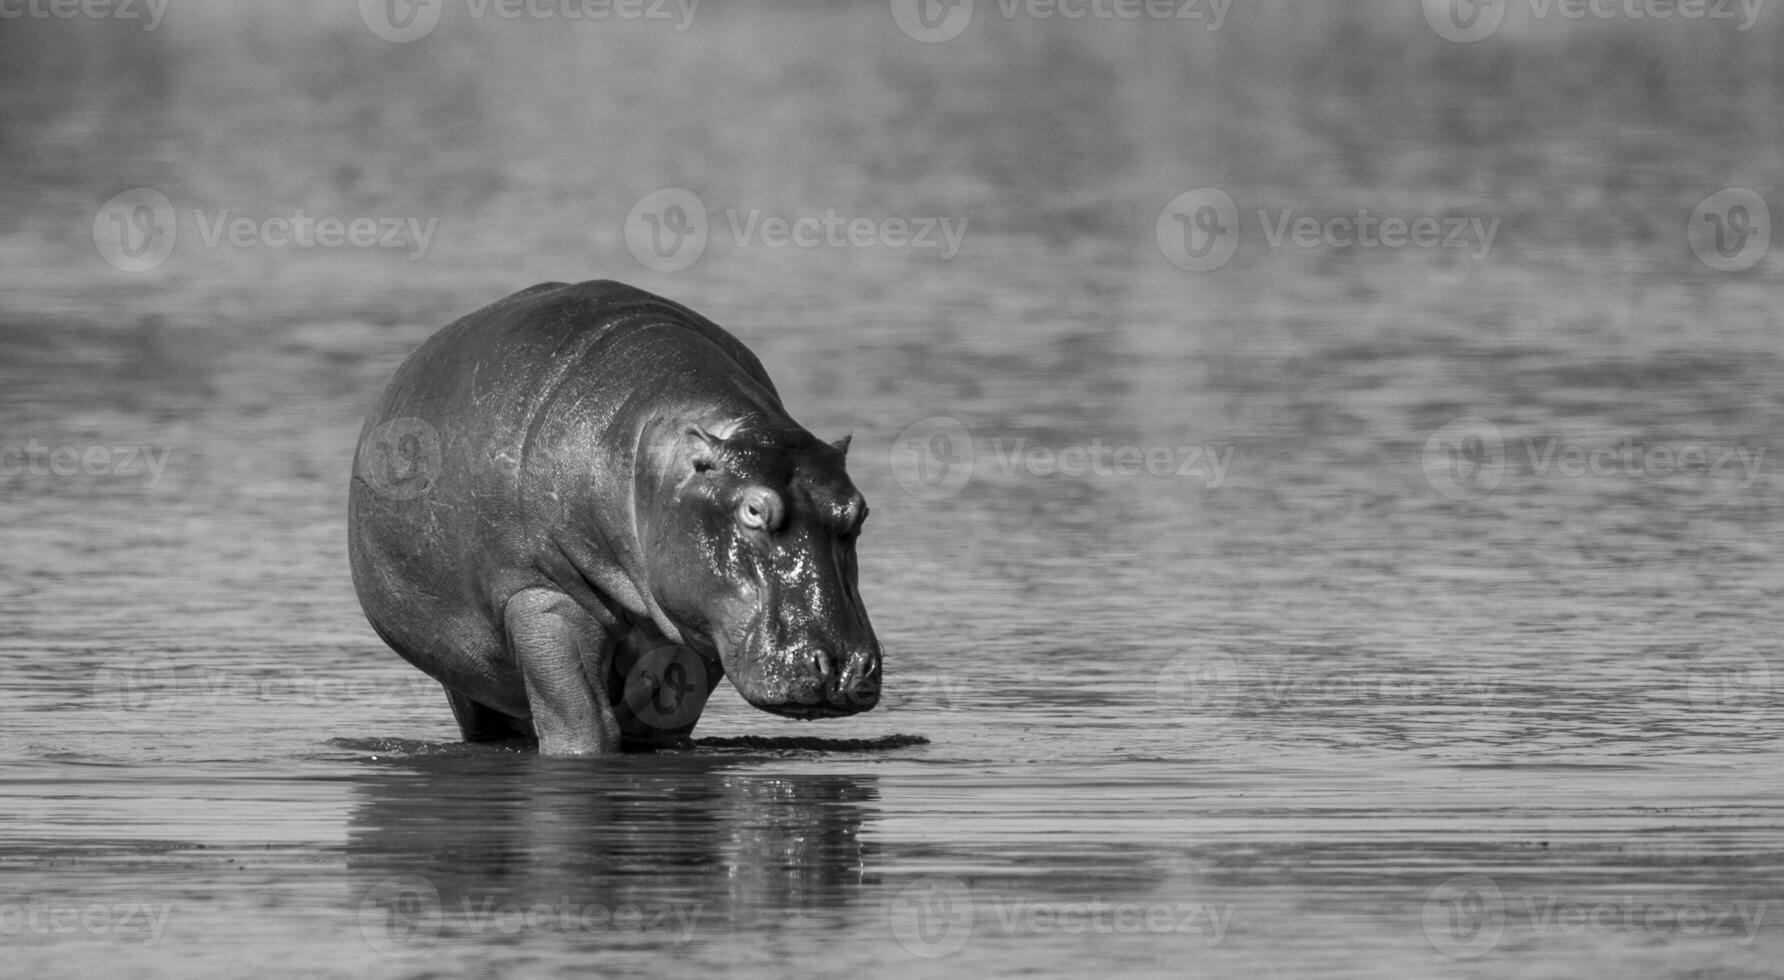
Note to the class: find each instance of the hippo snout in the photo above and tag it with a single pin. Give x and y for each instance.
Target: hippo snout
(825, 684)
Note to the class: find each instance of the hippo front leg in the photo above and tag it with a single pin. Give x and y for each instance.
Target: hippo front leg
(560, 647)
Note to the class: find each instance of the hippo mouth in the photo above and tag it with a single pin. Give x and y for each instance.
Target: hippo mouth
(812, 712)
(803, 713)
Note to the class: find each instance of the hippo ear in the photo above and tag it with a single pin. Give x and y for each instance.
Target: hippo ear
(842, 445)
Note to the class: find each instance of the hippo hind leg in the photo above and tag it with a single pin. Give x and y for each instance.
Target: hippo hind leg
(481, 723)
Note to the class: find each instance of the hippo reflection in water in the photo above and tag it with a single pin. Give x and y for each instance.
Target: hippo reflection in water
(582, 505)
(704, 844)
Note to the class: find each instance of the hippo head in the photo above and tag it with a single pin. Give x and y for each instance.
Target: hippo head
(751, 553)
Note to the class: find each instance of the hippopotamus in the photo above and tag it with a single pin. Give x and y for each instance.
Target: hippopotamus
(581, 506)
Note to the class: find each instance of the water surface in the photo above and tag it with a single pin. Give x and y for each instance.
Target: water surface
(1305, 714)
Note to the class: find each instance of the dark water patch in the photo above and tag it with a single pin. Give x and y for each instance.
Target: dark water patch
(812, 743)
(748, 746)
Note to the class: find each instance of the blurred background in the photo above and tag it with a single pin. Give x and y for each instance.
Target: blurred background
(1311, 684)
(530, 139)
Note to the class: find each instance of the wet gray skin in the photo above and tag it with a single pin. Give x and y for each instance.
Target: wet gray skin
(557, 487)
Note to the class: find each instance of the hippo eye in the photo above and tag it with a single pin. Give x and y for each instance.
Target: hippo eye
(760, 509)
(858, 518)
(852, 516)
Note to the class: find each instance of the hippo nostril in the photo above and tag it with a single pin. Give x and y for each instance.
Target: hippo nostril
(856, 685)
(859, 686)
(824, 664)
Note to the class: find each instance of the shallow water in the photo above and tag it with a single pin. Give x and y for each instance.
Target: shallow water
(1294, 711)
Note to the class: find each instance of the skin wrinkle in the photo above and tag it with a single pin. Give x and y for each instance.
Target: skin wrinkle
(638, 530)
(616, 331)
(561, 368)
